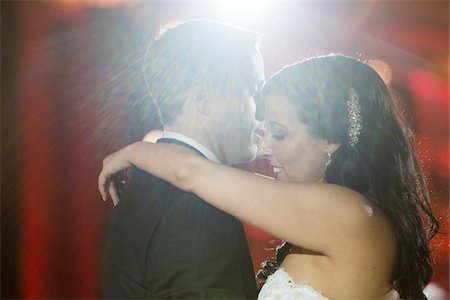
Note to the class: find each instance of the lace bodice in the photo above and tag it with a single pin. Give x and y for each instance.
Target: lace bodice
(281, 286)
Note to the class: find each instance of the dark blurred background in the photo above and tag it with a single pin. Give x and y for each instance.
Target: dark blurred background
(72, 92)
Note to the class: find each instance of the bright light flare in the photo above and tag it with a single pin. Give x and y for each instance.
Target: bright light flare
(249, 9)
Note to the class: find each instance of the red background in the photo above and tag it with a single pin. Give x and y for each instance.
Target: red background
(72, 93)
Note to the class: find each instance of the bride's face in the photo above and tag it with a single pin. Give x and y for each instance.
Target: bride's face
(294, 153)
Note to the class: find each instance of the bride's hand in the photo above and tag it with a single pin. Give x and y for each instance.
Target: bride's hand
(112, 164)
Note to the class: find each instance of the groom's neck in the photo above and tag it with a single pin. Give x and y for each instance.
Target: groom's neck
(198, 134)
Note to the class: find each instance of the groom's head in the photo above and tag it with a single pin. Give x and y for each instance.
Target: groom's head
(203, 76)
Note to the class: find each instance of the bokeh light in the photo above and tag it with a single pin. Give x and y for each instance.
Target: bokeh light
(73, 92)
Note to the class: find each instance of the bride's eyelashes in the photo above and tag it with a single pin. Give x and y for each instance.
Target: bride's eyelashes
(278, 136)
(275, 133)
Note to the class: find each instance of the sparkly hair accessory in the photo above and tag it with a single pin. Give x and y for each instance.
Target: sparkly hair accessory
(354, 117)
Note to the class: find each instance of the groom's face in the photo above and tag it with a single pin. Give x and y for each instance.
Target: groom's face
(236, 125)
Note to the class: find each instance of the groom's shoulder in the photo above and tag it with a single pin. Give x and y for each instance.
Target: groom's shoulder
(142, 184)
(176, 202)
(138, 179)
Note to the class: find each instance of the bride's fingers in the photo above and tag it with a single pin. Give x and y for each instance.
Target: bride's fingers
(103, 182)
(113, 193)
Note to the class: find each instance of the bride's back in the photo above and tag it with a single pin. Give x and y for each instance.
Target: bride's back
(360, 268)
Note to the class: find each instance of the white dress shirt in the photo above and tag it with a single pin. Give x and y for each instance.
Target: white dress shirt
(194, 144)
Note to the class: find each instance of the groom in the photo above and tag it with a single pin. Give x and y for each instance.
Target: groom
(164, 243)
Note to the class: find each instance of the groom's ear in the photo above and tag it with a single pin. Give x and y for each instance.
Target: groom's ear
(200, 99)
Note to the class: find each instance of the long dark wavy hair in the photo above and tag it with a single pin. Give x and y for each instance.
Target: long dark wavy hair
(382, 166)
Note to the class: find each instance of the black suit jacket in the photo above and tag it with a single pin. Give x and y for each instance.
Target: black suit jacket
(164, 243)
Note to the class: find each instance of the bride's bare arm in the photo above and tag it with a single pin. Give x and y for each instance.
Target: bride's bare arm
(304, 214)
(158, 159)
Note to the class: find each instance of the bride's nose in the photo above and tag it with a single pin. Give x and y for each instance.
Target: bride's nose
(264, 151)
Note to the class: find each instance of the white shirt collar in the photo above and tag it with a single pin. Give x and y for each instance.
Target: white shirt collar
(182, 138)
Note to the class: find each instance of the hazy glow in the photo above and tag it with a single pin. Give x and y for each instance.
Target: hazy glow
(250, 9)
(96, 3)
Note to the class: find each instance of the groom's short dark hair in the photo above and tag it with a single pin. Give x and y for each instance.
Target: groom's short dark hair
(214, 55)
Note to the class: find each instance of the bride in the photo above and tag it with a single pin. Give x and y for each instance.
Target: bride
(350, 195)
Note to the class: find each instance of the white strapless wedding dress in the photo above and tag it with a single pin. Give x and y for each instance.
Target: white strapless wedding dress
(281, 286)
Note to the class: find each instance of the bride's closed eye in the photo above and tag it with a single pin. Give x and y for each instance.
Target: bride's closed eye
(276, 133)
(278, 137)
